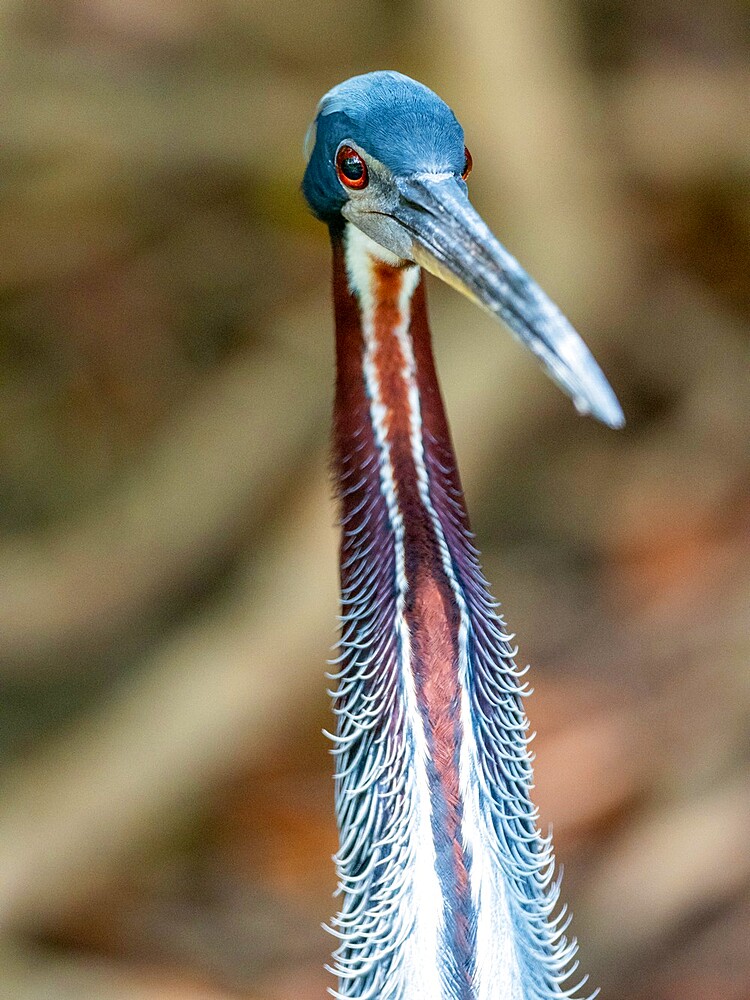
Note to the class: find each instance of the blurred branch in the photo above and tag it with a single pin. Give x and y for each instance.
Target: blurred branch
(201, 480)
(682, 122)
(512, 66)
(58, 103)
(667, 869)
(34, 973)
(223, 687)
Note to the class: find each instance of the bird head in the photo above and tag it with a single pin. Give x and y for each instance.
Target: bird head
(387, 155)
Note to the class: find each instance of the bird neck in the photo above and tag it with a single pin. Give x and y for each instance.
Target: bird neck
(442, 873)
(387, 390)
(389, 428)
(390, 419)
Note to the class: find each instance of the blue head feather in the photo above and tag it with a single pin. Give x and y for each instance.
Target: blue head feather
(395, 119)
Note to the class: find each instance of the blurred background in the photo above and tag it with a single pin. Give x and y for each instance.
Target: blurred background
(168, 549)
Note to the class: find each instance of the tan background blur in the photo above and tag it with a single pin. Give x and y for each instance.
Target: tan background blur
(167, 559)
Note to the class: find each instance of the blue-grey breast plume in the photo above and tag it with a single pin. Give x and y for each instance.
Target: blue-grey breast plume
(446, 884)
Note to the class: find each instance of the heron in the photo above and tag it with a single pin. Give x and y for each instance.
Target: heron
(447, 885)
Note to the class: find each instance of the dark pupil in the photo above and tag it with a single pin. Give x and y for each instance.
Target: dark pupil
(352, 168)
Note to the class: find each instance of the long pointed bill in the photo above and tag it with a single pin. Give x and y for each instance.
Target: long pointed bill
(451, 240)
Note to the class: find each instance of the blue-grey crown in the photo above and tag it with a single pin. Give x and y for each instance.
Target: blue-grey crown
(395, 119)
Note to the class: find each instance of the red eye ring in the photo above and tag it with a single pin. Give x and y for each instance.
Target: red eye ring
(351, 168)
(468, 163)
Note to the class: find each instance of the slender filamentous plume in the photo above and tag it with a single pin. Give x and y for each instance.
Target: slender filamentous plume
(447, 885)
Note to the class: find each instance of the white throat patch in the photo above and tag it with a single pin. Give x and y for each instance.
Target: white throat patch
(360, 247)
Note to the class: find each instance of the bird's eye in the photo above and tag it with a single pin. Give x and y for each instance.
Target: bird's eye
(351, 168)
(468, 163)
